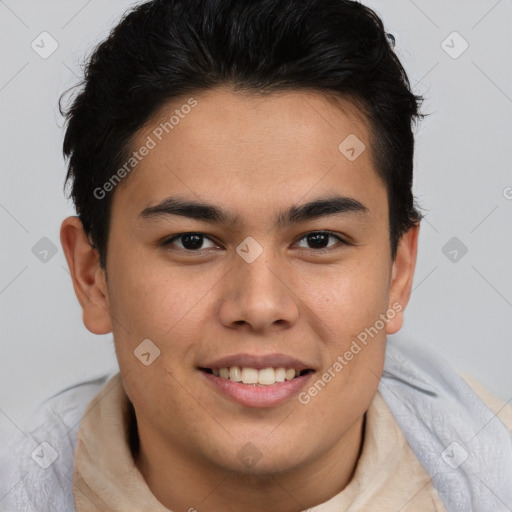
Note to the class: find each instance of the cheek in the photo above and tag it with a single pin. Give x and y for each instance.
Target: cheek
(350, 304)
(147, 294)
(349, 297)
(159, 302)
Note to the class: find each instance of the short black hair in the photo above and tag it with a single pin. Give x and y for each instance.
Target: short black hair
(164, 49)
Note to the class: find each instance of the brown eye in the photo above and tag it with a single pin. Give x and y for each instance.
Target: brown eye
(320, 240)
(189, 241)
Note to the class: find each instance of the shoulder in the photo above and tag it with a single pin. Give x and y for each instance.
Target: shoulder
(502, 409)
(455, 426)
(37, 467)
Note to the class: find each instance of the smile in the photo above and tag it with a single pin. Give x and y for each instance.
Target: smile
(249, 391)
(262, 377)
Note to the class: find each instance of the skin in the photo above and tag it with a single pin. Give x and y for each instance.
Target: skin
(254, 156)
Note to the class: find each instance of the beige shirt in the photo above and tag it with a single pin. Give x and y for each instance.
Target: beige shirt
(388, 475)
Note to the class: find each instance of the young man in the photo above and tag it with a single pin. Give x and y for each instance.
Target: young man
(246, 229)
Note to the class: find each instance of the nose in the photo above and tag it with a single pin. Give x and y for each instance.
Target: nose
(259, 296)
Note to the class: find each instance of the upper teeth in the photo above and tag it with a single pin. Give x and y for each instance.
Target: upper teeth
(265, 376)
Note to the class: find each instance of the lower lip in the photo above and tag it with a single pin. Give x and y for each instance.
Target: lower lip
(258, 396)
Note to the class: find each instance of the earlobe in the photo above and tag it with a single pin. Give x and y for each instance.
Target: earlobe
(88, 277)
(402, 276)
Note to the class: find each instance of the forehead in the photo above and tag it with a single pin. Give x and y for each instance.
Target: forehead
(231, 119)
(221, 144)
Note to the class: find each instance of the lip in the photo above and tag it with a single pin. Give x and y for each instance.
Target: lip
(258, 362)
(258, 396)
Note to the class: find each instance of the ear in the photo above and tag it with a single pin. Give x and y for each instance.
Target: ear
(89, 279)
(402, 275)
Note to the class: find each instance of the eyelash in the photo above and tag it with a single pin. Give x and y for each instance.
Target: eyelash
(168, 242)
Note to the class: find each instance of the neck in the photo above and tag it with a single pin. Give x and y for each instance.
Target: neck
(182, 481)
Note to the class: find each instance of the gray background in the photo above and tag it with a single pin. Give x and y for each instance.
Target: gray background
(461, 304)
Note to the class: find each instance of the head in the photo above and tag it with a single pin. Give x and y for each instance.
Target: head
(288, 124)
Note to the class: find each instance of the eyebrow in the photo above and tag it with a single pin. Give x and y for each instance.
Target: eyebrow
(201, 211)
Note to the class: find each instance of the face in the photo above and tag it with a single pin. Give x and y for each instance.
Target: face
(259, 274)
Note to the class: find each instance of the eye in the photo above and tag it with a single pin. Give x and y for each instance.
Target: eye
(194, 242)
(189, 241)
(320, 240)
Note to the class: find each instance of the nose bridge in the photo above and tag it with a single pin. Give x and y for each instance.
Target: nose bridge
(259, 276)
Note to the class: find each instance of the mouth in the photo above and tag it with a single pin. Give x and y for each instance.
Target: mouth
(257, 387)
(257, 377)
